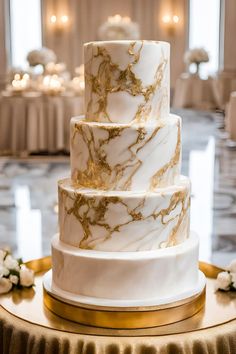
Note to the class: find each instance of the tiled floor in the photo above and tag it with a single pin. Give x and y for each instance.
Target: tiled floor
(28, 193)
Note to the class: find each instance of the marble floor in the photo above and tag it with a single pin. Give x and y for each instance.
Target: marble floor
(28, 193)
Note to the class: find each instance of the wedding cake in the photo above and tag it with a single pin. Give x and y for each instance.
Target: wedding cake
(124, 236)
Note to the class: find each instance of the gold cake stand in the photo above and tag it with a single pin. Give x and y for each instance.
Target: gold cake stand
(28, 305)
(124, 317)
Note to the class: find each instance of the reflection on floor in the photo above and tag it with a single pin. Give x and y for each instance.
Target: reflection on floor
(28, 194)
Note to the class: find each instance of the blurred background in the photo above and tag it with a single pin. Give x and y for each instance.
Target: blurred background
(42, 87)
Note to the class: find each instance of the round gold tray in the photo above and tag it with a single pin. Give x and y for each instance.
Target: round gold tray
(124, 317)
(27, 304)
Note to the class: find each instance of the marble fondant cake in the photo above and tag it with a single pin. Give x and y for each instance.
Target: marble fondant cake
(109, 156)
(121, 220)
(126, 81)
(124, 213)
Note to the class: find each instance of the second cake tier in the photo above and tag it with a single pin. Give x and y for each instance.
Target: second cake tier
(124, 221)
(137, 157)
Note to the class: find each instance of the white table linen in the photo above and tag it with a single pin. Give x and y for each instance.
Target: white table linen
(34, 122)
(193, 92)
(230, 118)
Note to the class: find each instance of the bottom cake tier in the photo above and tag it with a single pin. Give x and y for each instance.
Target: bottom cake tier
(144, 278)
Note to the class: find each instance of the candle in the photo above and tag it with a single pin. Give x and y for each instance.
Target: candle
(19, 83)
(52, 84)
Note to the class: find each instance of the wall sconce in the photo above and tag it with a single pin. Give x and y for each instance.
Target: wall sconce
(170, 22)
(60, 23)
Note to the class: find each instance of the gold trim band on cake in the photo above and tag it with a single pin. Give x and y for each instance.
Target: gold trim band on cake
(126, 319)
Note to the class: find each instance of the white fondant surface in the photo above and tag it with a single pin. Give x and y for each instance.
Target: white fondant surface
(124, 221)
(158, 275)
(149, 64)
(125, 157)
(78, 300)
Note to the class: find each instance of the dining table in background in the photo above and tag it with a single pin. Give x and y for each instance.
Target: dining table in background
(230, 117)
(193, 92)
(33, 122)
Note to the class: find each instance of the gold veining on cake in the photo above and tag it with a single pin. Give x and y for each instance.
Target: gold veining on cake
(156, 179)
(99, 174)
(91, 211)
(110, 78)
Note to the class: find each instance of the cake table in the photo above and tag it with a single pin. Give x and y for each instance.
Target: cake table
(26, 326)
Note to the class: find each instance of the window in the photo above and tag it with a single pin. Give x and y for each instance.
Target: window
(204, 25)
(25, 29)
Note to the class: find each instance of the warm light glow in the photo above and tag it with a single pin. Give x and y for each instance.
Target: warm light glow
(53, 19)
(26, 76)
(17, 76)
(55, 68)
(170, 22)
(127, 19)
(64, 19)
(59, 23)
(118, 18)
(20, 83)
(78, 83)
(175, 19)
(52, 84)
(166, 19)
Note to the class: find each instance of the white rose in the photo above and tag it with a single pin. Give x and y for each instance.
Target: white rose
(14, 279)
(26, 276)
(2, 255)
(232, 266)
(3, 271)
(5, 285)
(223, 281)
(11, 263)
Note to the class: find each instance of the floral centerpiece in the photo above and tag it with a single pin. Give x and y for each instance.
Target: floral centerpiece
(41, 56)
(13, 273)
(117, 27)
(196, 56)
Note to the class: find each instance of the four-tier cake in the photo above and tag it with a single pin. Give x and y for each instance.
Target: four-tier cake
(124, 236)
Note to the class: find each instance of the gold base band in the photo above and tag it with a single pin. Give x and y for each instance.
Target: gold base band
(158, 316)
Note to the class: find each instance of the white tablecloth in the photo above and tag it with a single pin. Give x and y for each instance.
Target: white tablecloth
(33, 123)
(225, 84)
(193, 92)
(230, 118)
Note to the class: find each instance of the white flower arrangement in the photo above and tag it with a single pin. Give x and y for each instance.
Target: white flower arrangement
(196, 56)
(227, 280)
(41, 56)
(13, 273)
(117, 27)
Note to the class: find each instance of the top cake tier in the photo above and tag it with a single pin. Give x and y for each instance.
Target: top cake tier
(126, 81)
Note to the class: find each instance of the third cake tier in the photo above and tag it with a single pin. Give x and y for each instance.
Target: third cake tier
(135, 157)
(124, 221)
